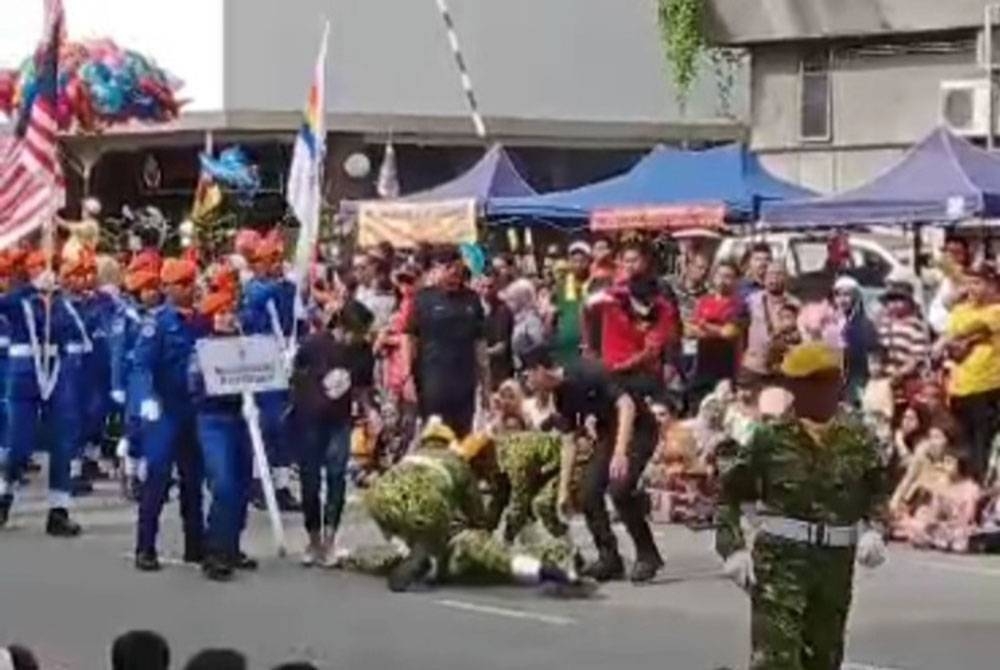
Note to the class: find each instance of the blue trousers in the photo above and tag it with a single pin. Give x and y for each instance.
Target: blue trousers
(165, 443)
(225, 448)
(324, 448)
(133, 422)
(64, 424)
(273, 405)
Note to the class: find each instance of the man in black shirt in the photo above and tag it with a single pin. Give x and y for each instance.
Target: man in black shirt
(625, 440)
(447, 326)
(498, 329)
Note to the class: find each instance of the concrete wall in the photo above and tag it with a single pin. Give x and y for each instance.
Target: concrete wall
(754, 21)
(880, 106)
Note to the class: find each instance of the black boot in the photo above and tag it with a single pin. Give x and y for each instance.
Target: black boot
(6, 502)
(244, 562)
(608, 567)
(217, 568)
(147, 561)
(645, 569)
(91, 470)
(415, 567)
(193, 553)
(286, 501)
(60, 525)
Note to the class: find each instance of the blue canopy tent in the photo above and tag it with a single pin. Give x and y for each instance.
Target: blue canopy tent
(729, 179)
(493, 176)
(943, 179)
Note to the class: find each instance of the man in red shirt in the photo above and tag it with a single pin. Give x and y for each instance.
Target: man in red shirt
(718, 323)
(637, 325)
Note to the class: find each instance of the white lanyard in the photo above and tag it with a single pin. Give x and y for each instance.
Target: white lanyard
(46, 379)
(87, 344)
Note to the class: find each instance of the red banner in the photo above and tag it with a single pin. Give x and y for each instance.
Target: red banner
(668, 218)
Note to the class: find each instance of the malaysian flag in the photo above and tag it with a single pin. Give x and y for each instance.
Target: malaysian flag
(32, 188)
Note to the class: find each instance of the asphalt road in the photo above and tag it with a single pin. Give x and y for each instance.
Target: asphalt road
(68, 599)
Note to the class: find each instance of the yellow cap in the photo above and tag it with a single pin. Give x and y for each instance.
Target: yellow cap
(811, 358)
(436, 429)
(471, 446)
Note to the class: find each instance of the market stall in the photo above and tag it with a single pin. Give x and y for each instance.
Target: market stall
(445, 214)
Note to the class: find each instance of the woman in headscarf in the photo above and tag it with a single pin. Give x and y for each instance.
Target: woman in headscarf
(529, 326)
(860, 337)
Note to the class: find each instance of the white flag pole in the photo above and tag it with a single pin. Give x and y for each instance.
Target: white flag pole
(251, 414)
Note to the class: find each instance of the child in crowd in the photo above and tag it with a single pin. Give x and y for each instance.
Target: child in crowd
(926, 476)
(679, 477)
(906, 437)
(743, 414)
(948, 520)
(786, 335)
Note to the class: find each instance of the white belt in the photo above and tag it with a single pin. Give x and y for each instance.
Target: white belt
(817, 534)
(27, 351)
(77, 348)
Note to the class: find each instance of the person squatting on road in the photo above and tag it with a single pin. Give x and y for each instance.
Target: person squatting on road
(799, 504)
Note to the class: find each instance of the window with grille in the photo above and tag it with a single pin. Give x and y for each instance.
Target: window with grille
(814, 122)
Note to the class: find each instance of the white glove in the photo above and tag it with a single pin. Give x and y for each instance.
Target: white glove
(121, 449)
(739, 568)
(118, 396)
(149, 410)
(871, 552)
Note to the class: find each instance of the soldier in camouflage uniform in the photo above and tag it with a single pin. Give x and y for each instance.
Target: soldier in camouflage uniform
(530, 462)
(797, 501)
(430, 501)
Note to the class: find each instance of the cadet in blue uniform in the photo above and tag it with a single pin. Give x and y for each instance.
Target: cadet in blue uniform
(143, 286)
(267, 308)
(42, 383)
(225, 448)
(163, 356)
(6, 270)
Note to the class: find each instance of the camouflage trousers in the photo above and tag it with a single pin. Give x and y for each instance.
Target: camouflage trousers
(799, 605)
(533, 498)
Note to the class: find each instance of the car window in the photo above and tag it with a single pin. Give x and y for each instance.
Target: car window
(870, 268)
(810, 256)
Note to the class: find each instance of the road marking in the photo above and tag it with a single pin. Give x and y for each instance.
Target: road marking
(165, 560)
(865, 666)
(505, 612)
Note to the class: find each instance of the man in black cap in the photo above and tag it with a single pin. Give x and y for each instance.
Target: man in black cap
(625, 438)
(447, 326)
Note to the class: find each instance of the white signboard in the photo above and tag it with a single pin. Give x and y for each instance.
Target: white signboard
(237, 365)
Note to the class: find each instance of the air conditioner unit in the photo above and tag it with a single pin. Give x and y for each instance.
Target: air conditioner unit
(965, 106)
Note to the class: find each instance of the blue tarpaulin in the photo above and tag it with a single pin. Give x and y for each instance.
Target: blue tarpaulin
(727, 176)
(944, 178)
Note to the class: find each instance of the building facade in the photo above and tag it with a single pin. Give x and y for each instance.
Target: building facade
(841, 88)
(576, 89)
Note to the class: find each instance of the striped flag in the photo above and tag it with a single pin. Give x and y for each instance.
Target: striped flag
(305, 188)
(32, 188)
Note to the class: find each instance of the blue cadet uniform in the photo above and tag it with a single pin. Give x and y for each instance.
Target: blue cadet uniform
(43, 383)
(162, 359)
(99, 311)
(4, 351)
(228, 458)
(268, 308)
(125, 380)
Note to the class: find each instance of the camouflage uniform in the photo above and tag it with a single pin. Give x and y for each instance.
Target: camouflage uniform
(803, 591)
(530, 463)
(430, 501)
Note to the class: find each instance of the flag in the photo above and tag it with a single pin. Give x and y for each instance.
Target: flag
(388, 176)
(207, 198)
(32, 188)
(305, 188)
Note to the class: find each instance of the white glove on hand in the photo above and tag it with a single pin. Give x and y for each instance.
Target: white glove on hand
(739, 568)
(871, 552)
(149, 410)
(118, 397)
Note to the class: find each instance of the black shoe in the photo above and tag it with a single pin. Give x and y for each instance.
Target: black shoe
(608, 567)
(194, 555)
(60, 525)
(645, 569)
(91, 470)
(80, 486)
(415, 567)
(286, 501)
(6, 502)
(147, 561)
(217, 569)
(244, 562)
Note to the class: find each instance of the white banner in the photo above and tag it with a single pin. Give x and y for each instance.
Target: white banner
(409, 224)
(237, 365)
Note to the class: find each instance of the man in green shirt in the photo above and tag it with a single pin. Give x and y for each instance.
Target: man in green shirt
(570, 295)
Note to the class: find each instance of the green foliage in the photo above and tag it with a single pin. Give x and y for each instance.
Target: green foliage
(681, 26)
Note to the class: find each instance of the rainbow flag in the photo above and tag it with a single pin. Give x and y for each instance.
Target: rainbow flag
(305, 187)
